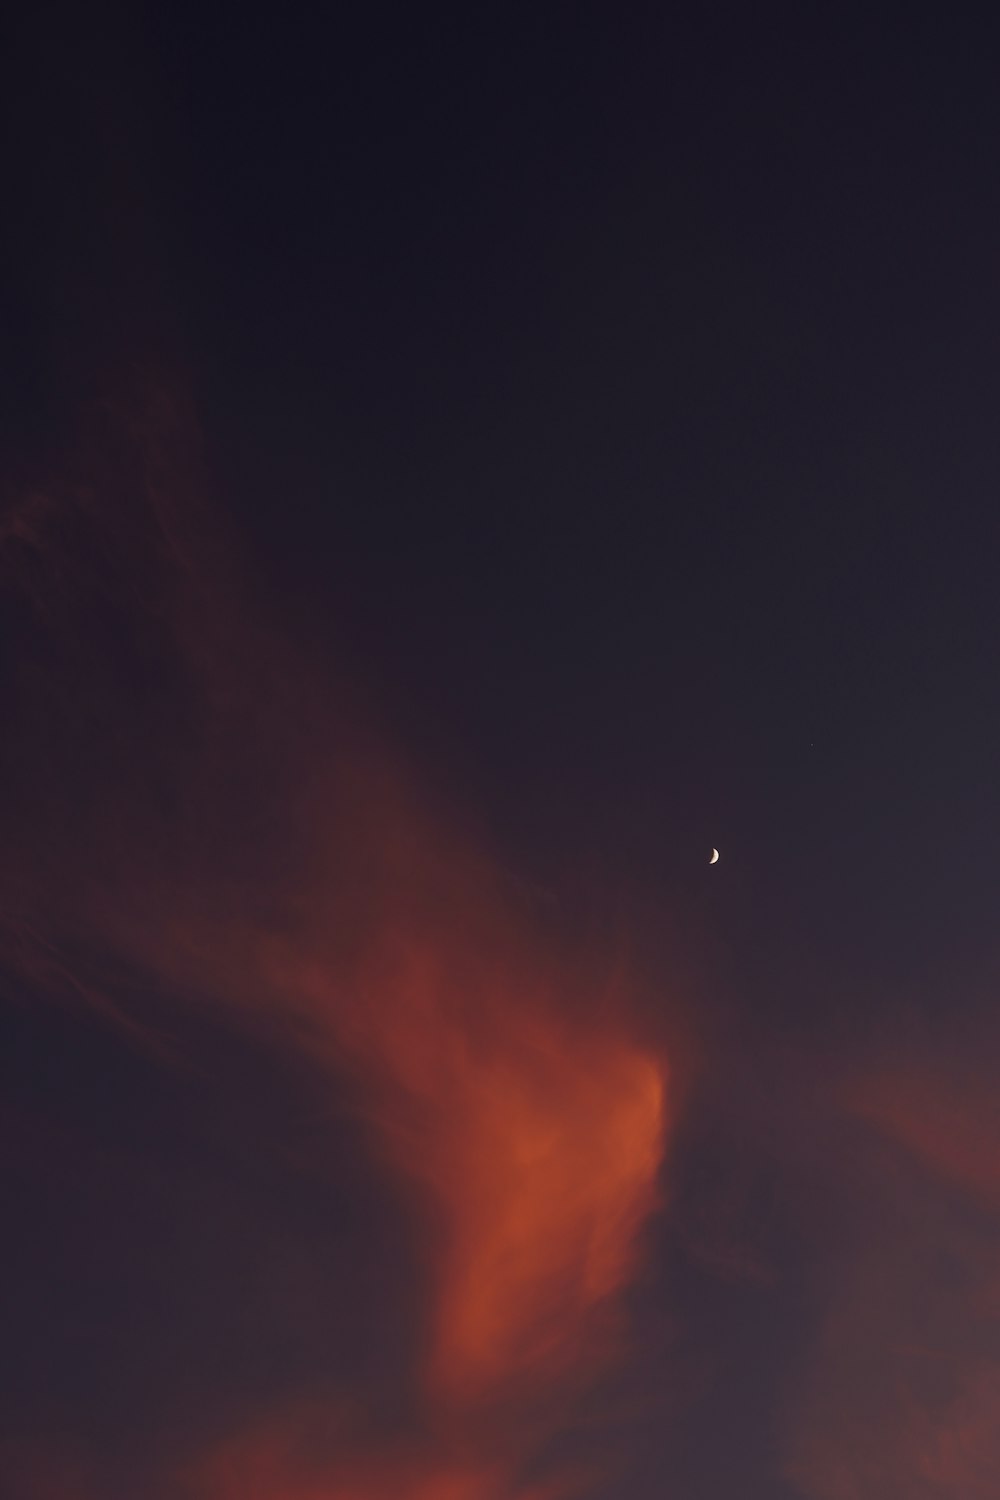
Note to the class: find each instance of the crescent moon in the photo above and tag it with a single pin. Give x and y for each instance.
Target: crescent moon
(715, 857)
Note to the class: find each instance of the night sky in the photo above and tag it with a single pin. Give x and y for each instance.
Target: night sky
(459, 467)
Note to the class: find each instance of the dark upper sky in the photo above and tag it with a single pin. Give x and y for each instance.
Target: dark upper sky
(610, 395)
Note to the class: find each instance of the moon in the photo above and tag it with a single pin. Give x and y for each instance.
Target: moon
(715, 857)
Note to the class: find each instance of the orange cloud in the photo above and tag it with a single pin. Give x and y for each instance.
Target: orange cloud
(537, 1135)
(246, 848)
(285, 1462)
(951, 1123)
(518, 1105)
(900, 1396)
